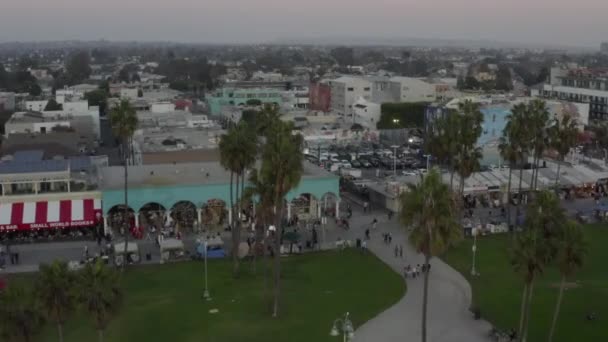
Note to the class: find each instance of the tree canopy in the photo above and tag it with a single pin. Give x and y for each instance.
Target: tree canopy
(78, 67)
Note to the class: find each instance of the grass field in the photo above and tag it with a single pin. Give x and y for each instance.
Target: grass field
(497, 291)
(163, 303)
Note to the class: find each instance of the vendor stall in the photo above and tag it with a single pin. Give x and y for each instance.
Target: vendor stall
(132, 254)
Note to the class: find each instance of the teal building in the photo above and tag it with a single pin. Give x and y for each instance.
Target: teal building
(239, 97)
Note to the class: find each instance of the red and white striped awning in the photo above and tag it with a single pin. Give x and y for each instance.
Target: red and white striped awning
(49, 214)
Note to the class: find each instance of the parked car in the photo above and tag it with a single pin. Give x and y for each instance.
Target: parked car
(365, 163)
(356, 164)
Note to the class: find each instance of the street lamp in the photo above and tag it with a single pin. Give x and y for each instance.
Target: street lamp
(206, 295)
(474, 249)
(428, 161)
(395, 147)
(345, 326)
(396, 121)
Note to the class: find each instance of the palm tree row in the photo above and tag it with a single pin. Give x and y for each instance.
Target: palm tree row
(549, 239)
(57, 293)
(531, 131)
(280, 170)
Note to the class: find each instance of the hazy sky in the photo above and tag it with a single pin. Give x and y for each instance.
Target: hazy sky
(563, 22)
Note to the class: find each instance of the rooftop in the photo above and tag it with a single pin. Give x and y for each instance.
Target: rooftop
(32, 161)
(157, 175)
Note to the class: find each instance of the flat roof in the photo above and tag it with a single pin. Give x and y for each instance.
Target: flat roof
(158, 175)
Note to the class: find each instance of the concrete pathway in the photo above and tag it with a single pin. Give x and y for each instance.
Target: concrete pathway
(449, 318)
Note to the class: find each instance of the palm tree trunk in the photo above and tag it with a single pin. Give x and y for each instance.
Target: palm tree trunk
(60, 331)
(425, 297)
(235, 233)
(519, 195)
(522, 312)
(100, 335)
(528, 306)
(277, 259)
(557, 307)
(559, 164)
(509, 197)
(127, 219)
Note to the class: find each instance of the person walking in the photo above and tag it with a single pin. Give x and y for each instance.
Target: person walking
(390, 238)
(364, 246)
(367, 234)
(396, 251)
(374, 223)
(401, 251)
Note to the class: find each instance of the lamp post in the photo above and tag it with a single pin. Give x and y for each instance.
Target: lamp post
(428, 161)
(206, 295)
(474, 249)
(345, 326)
(395, 159)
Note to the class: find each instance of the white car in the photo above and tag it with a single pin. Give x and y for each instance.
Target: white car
(409, 173)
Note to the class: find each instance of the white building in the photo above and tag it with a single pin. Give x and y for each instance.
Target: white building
(7, 101)
(162, 107)
(35, 106)
(366, 113)
(345, 91)
(408, 89)
(579, 85)
(129, 93)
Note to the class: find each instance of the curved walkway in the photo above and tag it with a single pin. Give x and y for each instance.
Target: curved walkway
(448, 317)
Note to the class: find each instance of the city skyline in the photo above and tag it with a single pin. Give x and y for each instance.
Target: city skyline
(558, 22)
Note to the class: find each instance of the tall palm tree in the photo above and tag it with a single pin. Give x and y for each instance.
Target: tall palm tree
(468, 155)
(519, 134)
(100, 294)
(537, 247)
(467, 162)
(445, 140)
(430, 210)
(527, 261)
(123, 119)
(538, 122)
(571, 252)
(563, 134)
(282, 162)
(55, 290)
(509, 152)
(237, 154)
(20, 313)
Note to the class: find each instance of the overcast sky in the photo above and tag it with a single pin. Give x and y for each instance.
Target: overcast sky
(562, 22)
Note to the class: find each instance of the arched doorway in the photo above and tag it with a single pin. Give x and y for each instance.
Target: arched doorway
(328, 204)
(184, 214)
(214, 214)
(303, 207)
(120, 219)
(152, 216)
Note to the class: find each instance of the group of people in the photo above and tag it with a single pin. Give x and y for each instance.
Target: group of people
(415, 271)
(12, 255)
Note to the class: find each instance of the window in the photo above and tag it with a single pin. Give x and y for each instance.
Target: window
(351, 89)
(366, 89)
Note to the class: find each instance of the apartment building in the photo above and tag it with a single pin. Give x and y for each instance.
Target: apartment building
(345, 91)
(580, 85)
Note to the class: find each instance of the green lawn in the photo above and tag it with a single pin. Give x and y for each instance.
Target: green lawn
(163, 303)
(497, 291)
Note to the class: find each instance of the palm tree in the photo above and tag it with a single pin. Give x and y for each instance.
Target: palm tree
(509, 152)
(54, 288)
(99, 293)
(430, 210)
(519, 136)
(538, 122)
(537, 247)
(467, 162)
(468, 155)
(527, 260)
(123, 118)
(445, 141)
(20, 313)
(237, 154)
(571, 252)
(282, 160)
(563, 134)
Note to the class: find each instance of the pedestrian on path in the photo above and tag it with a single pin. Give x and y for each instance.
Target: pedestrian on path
(390, 238)
(390, 215)
(401, 251)
(396, 251)
(367, 234)
(374, 223)
(364, 246)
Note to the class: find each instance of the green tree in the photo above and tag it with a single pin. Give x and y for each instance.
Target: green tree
(123, 119)
(467, 154)
(52, 105)
(520, 137)
(429, 209)
(237, 154)
(344, 56)
(100, 294)
(99, 98)
(20, 313)
(537, 247)
(509, 152)
(562, 136)
(282, 162)
(78, 67)
(445, 140)
(572, 249)
(538, 123)
(55, 290)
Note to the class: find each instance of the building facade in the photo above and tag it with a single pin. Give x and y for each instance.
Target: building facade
(226, 97)
(319, 97)
(345, 91)
(580, 85)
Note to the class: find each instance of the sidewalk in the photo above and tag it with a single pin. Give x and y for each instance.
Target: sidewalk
(448, 317)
